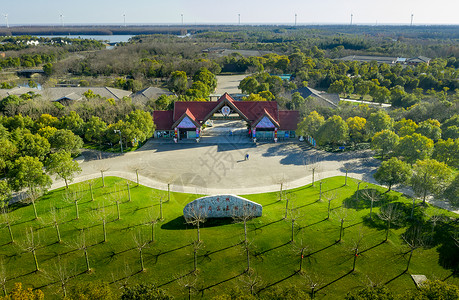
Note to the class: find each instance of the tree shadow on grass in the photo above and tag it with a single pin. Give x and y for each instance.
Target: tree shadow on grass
(337, 279)
(358, 201)
(218, 283)
(277, 282)
(180, 223)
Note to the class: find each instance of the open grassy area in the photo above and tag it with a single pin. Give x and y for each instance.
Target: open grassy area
(221, 259)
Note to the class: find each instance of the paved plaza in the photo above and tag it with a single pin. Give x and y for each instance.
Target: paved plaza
(207, 168)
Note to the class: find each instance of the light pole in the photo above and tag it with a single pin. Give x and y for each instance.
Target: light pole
(121, 142)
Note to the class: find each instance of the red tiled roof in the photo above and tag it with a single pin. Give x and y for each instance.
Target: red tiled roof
(288, 119)
(198, 109)
(254, 109)
(163, 119)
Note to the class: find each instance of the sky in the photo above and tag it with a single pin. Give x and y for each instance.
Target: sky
(36, 12)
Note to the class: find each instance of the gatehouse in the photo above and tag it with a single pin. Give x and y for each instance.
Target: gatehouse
(253, 120)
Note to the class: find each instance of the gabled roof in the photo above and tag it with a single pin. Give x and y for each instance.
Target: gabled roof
(328, 99)
(266, 114)
(71, 96)
(150, 93)
(199, 109)
(188, 114)
(107, 92)
(226, 99)
(289, 119)
(418, 59)
(253, 109)
(163, 119)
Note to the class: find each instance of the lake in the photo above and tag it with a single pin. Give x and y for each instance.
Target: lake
(110, 38)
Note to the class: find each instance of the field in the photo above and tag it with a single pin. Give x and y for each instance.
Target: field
(221, 258)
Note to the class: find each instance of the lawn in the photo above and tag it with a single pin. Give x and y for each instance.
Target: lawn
(221, 259)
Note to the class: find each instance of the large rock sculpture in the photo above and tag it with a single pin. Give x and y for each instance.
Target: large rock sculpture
(222, 206)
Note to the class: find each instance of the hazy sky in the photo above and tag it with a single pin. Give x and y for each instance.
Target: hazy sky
(217, 11)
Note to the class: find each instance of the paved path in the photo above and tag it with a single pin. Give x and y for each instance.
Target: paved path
(229, 84)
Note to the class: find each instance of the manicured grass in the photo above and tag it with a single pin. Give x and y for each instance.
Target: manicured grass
(222, 259)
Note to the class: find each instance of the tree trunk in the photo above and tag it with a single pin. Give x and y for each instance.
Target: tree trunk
(141, 260)
(409, 260)
(137, 175)
(356, 253)
(35, 261)
(92, 195)
(56, 225)
(293, 227)
(345, 179)
(160, 208)
(168, 192)
(341, 230)
(129, 192)
(329, 204)
(105, 231)
(387, 231)
(301, 259)
(245, 231)
(11, 233)
(87, 260)
(118, 209)
(286, 209)
(34, 209)
(248, 256)
(357, 192)
(4, 290)
(66, 183)
(76, 210)
(371, 209)
(152, 232)
(195, 255)
(199, 232)
(390, 187)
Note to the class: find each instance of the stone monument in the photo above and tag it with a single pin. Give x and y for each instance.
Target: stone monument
(222, 206)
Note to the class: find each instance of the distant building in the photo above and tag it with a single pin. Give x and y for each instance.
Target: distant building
(387, 59)
(149, 93)
(320, 98)
(67, 95)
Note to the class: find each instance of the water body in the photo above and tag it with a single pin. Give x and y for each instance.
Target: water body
(109, 38)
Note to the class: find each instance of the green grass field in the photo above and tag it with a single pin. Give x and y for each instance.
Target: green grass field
(222, 260)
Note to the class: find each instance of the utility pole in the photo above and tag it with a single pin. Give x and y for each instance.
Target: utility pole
(295, 19)
(121, 142)
(6, 20)
(412, 15)
(351, 18)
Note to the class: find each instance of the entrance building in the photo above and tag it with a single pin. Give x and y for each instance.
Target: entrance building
(191, 120)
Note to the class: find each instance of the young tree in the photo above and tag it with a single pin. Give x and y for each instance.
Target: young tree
(140, 243)
(384, 141)
(62, 164)
(393, 171)
(60, 274)
(294, 215)
(30, 244)
(430, 176)
(81, 244)
(196, 217)
(357, 244)
(252, 281)
(371, 195)
(300, 247)
(341, 215)
(3, 277)
(54, 218)
(100, 214)
(389, 213)
(196, 246)
(27, 172)
(243, 215)
(314, 281)
(414, 239)
(152, 219)
(330, 197)
(188, 282)
(7, 219)
(74, 196)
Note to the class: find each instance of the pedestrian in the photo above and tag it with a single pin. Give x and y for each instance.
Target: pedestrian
(247, 156)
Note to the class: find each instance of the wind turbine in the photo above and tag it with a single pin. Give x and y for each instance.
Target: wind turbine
(124, 18)
(351, 18)
(182, 19)
(239, 19)
(61, 16)
(295, 19)
(6, 20)
(412, 15)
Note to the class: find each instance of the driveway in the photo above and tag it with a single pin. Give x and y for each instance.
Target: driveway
(229, 84)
